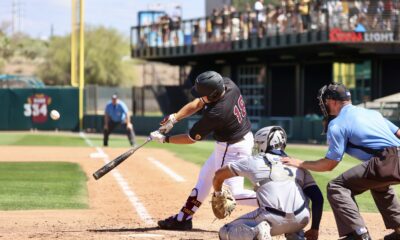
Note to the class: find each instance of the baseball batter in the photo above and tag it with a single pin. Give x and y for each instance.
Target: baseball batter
(282, 193)
(224, 115)
(367, 136)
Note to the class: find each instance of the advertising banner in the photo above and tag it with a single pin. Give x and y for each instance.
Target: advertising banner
(338, 35)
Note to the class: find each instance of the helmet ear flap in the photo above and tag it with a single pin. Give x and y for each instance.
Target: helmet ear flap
(216, 93)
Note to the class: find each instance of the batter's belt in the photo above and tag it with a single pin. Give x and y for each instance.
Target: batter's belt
(235, 141)
(282, 213)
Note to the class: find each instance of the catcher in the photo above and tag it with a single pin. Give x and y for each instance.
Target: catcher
(283, 194)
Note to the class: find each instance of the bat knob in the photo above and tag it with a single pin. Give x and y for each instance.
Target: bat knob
(95, 176)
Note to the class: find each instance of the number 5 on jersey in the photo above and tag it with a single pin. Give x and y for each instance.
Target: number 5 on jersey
(240, 109)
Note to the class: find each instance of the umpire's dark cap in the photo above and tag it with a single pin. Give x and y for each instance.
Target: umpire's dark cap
(207, 83)
(114, 96)
(335, 91)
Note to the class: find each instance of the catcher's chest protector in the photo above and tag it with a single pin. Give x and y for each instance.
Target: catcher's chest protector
(276, 171)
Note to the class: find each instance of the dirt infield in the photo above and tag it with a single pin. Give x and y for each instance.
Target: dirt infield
(112, 214)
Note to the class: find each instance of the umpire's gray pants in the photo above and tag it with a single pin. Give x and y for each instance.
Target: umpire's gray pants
(341, 192)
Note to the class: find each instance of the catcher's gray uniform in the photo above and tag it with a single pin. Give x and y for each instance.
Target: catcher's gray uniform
(279, 193)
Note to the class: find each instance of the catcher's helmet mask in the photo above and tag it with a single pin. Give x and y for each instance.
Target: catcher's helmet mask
(210, 84)
(270, 139)
(334, 91)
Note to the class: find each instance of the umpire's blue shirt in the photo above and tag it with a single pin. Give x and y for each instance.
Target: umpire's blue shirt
(116, 112)
(362, 127)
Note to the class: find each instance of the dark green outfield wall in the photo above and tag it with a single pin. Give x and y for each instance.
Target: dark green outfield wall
(24, 109)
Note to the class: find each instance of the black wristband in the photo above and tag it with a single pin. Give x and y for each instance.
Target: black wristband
(167, 139)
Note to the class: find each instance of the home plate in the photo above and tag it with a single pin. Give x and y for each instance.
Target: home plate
(145, 235)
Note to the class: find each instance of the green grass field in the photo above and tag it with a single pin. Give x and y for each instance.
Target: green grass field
(196, 153)
(42, 185)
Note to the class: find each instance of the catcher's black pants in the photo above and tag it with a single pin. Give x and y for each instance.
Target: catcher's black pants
(111, 126)
(366, 176)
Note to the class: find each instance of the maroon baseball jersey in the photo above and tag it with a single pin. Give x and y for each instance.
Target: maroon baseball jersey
(226, 118)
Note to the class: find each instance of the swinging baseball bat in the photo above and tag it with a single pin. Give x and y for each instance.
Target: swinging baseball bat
(117, 161)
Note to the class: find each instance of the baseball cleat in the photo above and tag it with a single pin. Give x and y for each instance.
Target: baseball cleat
(393, 236)
(354, 236)
(172, 223)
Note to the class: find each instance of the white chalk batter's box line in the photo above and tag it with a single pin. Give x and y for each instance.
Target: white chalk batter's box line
(133, 199)
(166, 169)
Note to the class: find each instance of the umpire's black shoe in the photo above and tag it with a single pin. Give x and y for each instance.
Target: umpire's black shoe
(393, 236)
(354, 236)
(172, 223)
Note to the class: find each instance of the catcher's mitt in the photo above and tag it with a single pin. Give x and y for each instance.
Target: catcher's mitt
(223, 203)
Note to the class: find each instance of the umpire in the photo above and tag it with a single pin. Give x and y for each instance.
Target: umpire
(117, 114)
(367, 136)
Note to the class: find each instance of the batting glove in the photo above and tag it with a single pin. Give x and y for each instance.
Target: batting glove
(168, 123)
(157, 136)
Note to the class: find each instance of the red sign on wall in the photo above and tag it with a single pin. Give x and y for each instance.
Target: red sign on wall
(337, 35)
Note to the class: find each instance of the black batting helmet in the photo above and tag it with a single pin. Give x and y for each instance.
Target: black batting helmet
(210, 84)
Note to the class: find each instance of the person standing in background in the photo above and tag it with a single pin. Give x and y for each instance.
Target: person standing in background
(117, 114)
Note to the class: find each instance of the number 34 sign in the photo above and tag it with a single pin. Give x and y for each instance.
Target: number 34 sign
(37, 107)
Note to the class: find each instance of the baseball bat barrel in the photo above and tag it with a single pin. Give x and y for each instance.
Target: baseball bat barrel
(117, 161)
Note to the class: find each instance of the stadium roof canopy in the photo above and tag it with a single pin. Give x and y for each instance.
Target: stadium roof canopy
(19, 81)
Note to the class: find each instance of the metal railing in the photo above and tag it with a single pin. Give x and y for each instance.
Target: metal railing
(225, 26)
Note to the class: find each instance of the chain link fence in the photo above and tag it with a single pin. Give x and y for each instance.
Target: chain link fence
(140, 101)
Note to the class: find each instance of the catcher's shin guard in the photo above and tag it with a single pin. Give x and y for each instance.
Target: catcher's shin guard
(190, 207)
(295, 236)
(244, 232)
(237, 232)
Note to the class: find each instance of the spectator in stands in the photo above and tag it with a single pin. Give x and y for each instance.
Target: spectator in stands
(226, 23)
(117, 114)
(218, 22)
(164, 22)
(252, 21)
(353, 14)
(304, 9)
(372, 12)
(209, 29)
(335, 9)
(291, 11)
(379, 16)
(361, 23)
(245, 21)
(281, 19)
(387, 14)
(175, 24)
(196, 32)
(272, 23)
(396, 27)
(260, 11)
(320, 11)
(235, 24)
